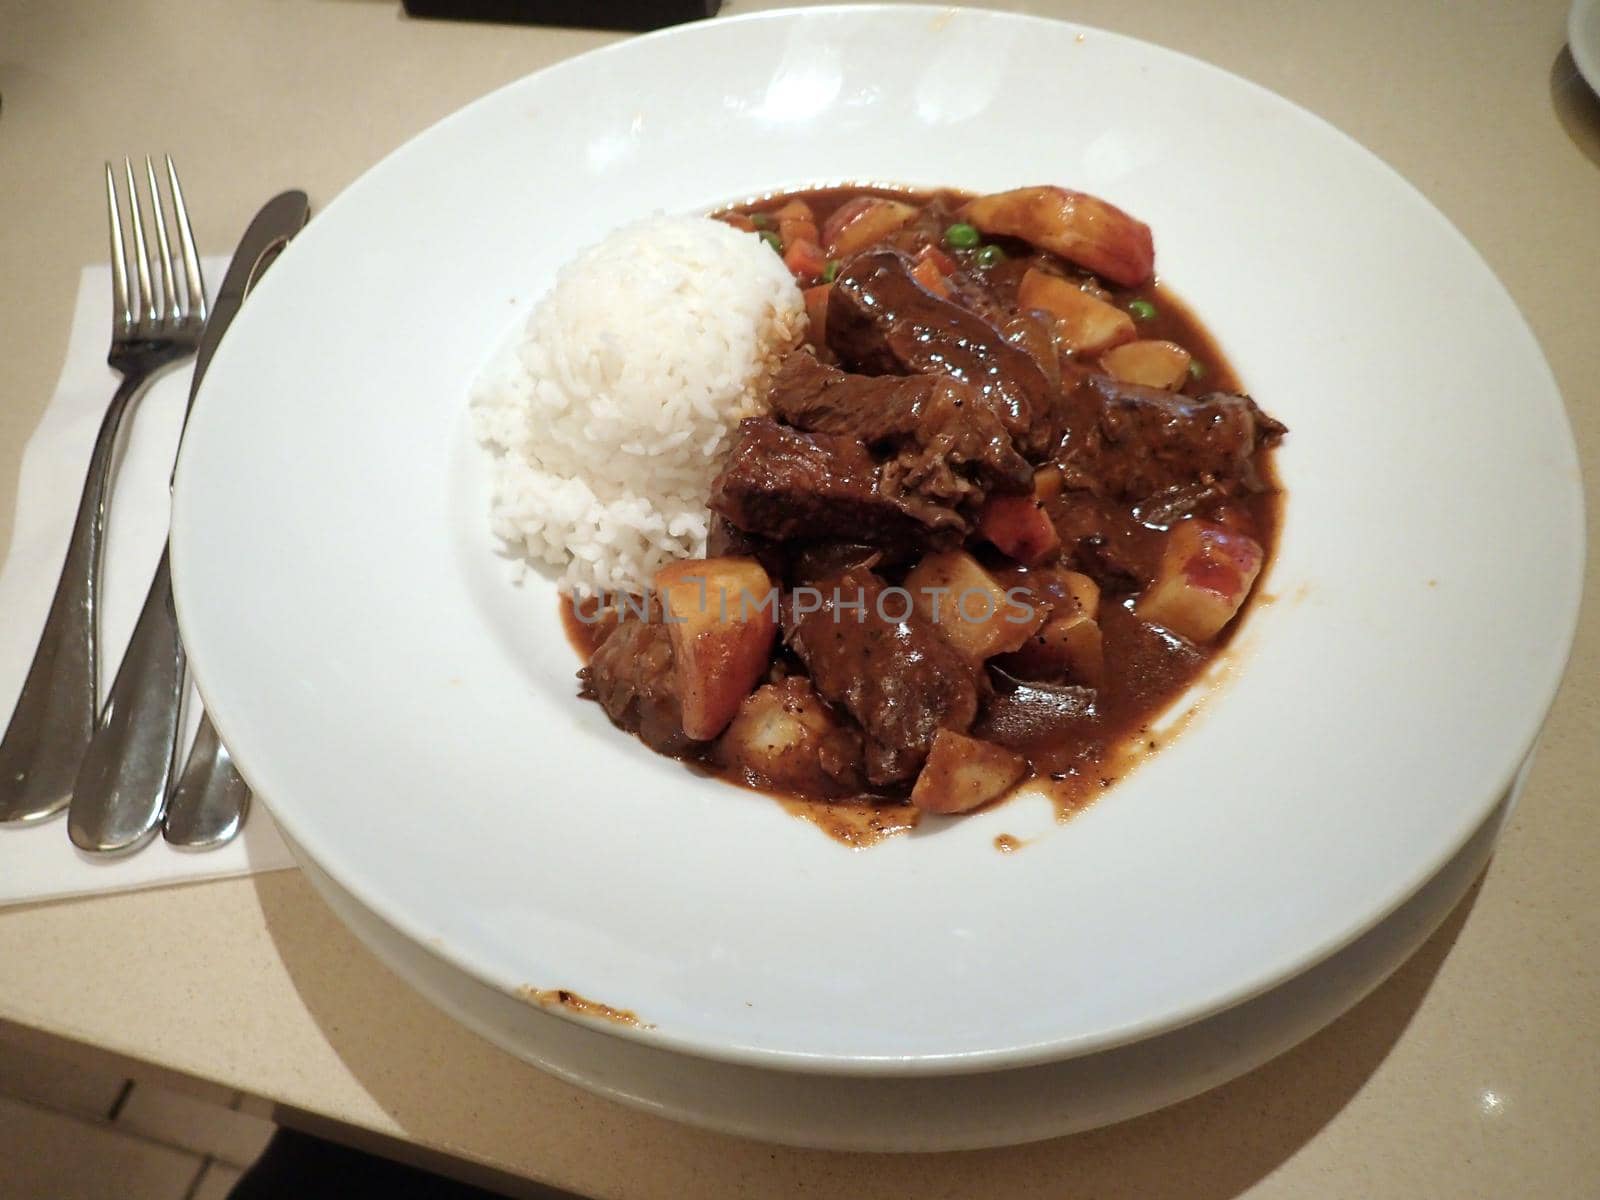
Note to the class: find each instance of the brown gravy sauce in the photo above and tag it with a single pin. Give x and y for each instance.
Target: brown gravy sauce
(856, 823)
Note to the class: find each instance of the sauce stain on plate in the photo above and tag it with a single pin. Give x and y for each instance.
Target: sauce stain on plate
(856, 823)
(580, 1005)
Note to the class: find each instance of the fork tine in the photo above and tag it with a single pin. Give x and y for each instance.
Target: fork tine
(198, 307)
(167, 301)
(121, 315)
(141, 261)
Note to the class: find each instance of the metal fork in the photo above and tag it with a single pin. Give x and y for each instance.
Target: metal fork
(151, 331)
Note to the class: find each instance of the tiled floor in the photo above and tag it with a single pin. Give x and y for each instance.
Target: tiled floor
(69, 1132)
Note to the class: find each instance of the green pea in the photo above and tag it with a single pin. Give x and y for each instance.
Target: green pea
(830, 272)
(1196, 370)
(989, 256)
(962, 236)
(772, 240)
(761, 220)
(1143, 310)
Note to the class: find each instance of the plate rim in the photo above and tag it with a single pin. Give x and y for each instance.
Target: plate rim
(1585, 51)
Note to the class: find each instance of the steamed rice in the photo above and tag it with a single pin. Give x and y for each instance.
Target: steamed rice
(610, 420)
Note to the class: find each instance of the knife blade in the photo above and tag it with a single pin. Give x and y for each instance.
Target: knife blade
(268, 233)
(120, 794)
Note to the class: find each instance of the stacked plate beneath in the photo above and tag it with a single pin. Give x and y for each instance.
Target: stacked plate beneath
(940, 1112)
(407, 712)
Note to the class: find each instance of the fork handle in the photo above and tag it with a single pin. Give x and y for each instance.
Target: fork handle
(121, 789)
(55, 713)
(209, 803)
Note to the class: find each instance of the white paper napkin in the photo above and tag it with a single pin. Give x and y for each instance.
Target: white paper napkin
(38, 861)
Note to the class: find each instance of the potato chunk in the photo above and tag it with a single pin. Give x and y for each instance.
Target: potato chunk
(1047, 481)
(1084, 323)
(1066, 648)
(962, 772)
(1207, 570)
(796, 223)
(1081, 594)
(1150, 363)
(1082, 229)
(722, 622)
(1069, 645)
(784, 736)
(968, 606)
(859, 223)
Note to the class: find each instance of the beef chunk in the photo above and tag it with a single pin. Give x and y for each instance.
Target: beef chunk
(881, 321)
(1025, 715)
(899, 679)
(781, 483)
(941, 438)
(814, 561)
(796, 561)
(726, 540)
(1106, 559)
(1127, 442)
(632, 676)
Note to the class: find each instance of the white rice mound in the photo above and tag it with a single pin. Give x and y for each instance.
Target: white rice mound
(611, 417)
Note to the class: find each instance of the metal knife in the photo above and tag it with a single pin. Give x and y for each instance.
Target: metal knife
(121, 790)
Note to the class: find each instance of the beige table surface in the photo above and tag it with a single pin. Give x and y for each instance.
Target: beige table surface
(1473, 1072)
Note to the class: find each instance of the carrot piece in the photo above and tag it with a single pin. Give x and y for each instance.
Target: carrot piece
(816, 299)
(1019, 527)
(927, 273)
(941, 261)
(804, 258)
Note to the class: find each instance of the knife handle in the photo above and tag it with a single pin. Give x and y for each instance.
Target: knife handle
(210, 801)
(50, 728)
(121, 790)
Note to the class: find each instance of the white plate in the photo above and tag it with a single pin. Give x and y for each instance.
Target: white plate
(1583, 39)
(934, 1113)
(408, 714)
